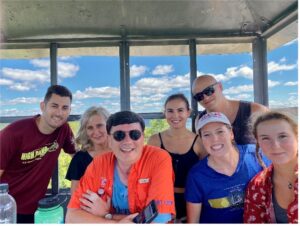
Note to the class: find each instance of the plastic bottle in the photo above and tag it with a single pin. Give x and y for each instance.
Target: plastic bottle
(8, 207)
(50, 211)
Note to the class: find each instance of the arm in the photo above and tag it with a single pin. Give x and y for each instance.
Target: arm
(1, 172)
(74, 184)
(196, 120)
(193, 212)
(161, 188)
(256, 108)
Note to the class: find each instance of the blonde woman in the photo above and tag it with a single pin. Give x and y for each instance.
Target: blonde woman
(91, 139)
(272, 195)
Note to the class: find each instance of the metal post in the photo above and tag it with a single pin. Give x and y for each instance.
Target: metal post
(193, 76)
(260, 71)
(53, 77)
(124, 76)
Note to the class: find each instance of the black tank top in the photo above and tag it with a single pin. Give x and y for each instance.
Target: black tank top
(241, 132)
(182, 163)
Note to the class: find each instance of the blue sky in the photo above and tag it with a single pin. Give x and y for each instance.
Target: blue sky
(94, 80)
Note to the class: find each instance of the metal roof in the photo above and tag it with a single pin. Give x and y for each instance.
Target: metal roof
(79, 23)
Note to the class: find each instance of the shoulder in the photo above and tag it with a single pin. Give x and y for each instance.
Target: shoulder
(19, 127)
(154, 140)
(255, 107)
(154, 153)
(261, 179)
(199, 168)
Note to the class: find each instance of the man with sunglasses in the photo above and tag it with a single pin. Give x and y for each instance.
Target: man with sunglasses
(122, 182)
(208, 93)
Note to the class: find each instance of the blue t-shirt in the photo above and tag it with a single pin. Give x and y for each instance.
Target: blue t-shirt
(222, 196)
(120, 200)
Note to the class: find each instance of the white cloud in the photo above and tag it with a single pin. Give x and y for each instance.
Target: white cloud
(26, 75)
(238, 89)
(291, 83)
(273, 67)
(5, 82)
(22, 100)
(243, 96)
(22, 86)
(273, 83)
(163, 69)
(66, 70)
(283, 59)
(98, 92)
(136, 71)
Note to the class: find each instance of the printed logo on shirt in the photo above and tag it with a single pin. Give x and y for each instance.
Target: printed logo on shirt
(39, 153)
(235, 198)
(144, 180)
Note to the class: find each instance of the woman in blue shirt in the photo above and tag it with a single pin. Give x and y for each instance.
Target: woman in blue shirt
(216, 185)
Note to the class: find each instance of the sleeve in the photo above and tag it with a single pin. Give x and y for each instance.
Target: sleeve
(253, 210)
(89, 181)
(193, 191)
(75, 171)
(69, 144)
(8, 148)
(161, 188)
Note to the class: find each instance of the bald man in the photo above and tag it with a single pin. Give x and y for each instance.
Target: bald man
(208, 92)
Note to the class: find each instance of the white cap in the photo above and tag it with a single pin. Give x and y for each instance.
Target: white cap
(212, 117)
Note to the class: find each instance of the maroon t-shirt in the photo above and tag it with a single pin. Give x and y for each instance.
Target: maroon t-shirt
(28, 159)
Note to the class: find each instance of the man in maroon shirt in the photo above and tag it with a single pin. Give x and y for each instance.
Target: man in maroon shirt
(29, 149)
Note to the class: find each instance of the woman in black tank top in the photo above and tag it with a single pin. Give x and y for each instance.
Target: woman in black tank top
(182, 144)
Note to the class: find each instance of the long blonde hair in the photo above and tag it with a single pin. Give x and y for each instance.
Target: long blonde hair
(82, 140)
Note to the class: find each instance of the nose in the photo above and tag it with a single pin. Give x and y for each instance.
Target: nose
(275, 143)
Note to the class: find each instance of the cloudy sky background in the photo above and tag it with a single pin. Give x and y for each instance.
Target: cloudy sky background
(95, 80)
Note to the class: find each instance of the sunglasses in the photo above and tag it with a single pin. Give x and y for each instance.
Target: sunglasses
(208, 91)
(133, 134)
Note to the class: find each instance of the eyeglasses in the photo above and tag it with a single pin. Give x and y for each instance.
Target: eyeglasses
(133, 134)
(208, 91)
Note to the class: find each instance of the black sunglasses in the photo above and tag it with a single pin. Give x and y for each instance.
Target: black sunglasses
(208, 91)
(133, 134)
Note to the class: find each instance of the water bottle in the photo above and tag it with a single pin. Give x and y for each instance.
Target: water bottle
(50, 210)
(8, 207)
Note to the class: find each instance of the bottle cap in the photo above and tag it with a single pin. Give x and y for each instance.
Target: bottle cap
(51, 201)
(4, 187)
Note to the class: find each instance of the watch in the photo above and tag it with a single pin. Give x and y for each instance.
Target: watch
(108, 216)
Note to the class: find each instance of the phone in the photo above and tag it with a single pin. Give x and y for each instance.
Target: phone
(147, 215)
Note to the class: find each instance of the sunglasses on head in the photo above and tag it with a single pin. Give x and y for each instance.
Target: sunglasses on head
(133, 134)
(208, 91)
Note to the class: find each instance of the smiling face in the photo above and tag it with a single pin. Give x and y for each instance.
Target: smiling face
(176, 113)
(202, 83)
(217, 138)
(127, 151)
(277, 141)
(55, 112)
(96, 130)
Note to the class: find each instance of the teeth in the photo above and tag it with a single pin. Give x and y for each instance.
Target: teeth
(216, 147)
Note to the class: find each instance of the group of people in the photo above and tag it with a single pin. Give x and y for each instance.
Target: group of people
(240, 166)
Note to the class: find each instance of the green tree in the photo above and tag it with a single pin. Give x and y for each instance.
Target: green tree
(156, 125)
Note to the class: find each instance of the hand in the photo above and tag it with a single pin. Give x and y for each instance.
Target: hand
(94, 204)
(128, 219)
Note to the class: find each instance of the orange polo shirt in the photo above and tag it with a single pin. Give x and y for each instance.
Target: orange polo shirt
(151, 177)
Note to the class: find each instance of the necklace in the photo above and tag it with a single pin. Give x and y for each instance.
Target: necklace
(290, 185)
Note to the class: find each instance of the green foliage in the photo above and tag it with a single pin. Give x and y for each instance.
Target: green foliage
(156, 125)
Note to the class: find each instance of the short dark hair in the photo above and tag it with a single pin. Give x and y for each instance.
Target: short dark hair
(179, 96)
(58, 90)
(124, 117)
